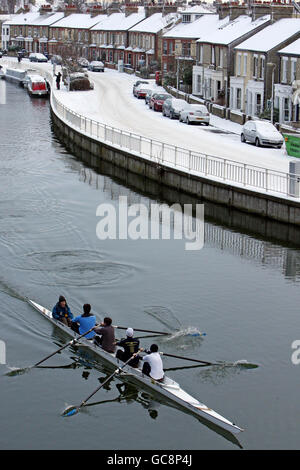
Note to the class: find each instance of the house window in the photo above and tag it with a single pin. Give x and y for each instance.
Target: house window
(129, 59)
(186, 18)
(245, 65)
(239, 63)
(238, 98)
(221, 57)
(201, 54)
(258, 107)
(199, 84)
(186, 49)
(284, 69)
(165, 51)
(293, 69)
(170, 48)
(213, 55)
(255, 66)
(286, 109)
(262, 67)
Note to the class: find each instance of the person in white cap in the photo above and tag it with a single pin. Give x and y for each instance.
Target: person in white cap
(130, 346)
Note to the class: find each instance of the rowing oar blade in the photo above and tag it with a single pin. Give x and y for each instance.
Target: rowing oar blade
(70, 411)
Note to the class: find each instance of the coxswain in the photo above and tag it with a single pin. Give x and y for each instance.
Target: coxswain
(62, 312)
(130, 346)
(84, 322)
(153, 366)
(107, 335)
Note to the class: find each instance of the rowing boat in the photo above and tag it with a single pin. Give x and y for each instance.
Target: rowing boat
(168, 388)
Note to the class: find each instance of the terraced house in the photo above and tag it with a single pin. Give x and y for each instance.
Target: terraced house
(287, 91)
(110, 36)
(179, 43)
(71, 35)
(215, 56)
(257, 66)
(145, 39)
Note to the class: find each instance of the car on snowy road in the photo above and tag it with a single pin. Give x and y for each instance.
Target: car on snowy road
(195, 113)
(172, 107)
(96, 66)
(157, 100)
(261, 133)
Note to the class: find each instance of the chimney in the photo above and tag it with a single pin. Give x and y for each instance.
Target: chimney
(235, 10)
(129, 8)
(281, 10)
(223, 10)
(96, 10)
(70, 9)
(45, 9)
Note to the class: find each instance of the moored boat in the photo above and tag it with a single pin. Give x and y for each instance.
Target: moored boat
(15, 75)
(168, 388)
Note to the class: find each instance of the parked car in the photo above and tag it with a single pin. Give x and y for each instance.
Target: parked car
(141, 91)
(37, 57)
(261, 133)
(96, 66)
(148, 96)
(195, 113)
(157, 100)
(37, 86)
(56, 59)
(83, 62)
(139, 82)
(172, 107)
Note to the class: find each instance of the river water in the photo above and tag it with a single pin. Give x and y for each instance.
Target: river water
(242, 289)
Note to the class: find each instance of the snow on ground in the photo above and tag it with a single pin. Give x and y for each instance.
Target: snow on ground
(112, 102)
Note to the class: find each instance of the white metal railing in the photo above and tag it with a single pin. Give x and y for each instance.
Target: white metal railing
(218, 168)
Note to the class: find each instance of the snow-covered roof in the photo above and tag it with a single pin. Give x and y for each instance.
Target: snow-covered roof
(198, 28)
(48, 19)
(78, 21)
(118, 22)
(292, 49)
(155, 23)
(23, 19)
(197, 9)
(5, 18)
(232, 30)
(272, 35)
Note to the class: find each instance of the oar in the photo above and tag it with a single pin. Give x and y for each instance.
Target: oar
(73, 341)
(247, 365)
(72, 410)
(144, 331)
(188, 359)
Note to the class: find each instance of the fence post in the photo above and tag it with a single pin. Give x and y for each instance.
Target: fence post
(97, 130)
(162, 152)
(266, 179)
(244, 174)
(140, 144)
(190, 154)
(104, 132)
(150, 149)
(224, 176)
(175, 156)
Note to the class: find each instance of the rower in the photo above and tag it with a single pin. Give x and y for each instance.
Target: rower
(107, 333)
(131, 346)
(62, 312)
(153, 366)
(84, 322)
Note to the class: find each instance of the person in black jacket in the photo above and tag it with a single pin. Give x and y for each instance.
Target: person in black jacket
(62, 312)
(58, 77)
(130, 346)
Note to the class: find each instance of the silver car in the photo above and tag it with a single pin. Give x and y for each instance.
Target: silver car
(172, 107)
(96, 66)
(261, 133)
(197, 113)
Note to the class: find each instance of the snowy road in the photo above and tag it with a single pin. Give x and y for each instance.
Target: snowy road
(112, 102)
